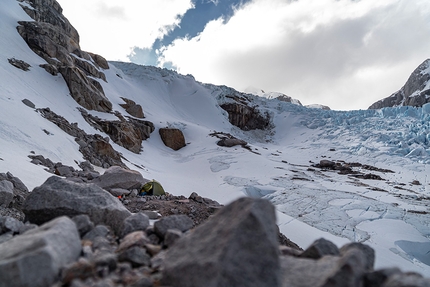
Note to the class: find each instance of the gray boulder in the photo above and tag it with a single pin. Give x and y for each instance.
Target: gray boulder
(118, 177)
(135, 222)
(36, 257)
(172, 138)
(320, 248)
(57, 197)
(6, 193)
(180, 222)
(236, 247)
(10, 224)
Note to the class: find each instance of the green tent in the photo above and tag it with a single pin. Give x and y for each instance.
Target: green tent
(152, 187)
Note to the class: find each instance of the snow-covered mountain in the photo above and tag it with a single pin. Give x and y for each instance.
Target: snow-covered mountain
(415, 92)
(346, 176)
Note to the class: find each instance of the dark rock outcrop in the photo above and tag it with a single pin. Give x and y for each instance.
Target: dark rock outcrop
(246, 117)
(52, 37)
(36, 257)
(58, 197)
(95, 148)
(132, 108)
(214, 253)
(413, 93)
(173, 138)
(126, 133)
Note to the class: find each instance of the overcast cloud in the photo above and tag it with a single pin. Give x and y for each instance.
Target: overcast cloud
(342, 53)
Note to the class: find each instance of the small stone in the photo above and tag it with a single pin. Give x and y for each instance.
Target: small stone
(137, 238)
(83, 223)
(136, 255)
(135, 222)
(171, 236)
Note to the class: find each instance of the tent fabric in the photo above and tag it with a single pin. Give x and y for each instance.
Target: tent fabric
(152, 187)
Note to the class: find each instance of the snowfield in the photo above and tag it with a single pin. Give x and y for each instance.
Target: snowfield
(391, 215)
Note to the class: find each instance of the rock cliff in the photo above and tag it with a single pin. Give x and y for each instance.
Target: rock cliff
(416, 91)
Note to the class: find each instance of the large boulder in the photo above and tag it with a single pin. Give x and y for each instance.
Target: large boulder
(36, 257)
(236, 247)
(6, 193)
(173, 138)
(57, 197)
(118, 177)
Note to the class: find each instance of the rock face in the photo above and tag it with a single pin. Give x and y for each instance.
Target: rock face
(416, 91)
(132, 108)
(53, 38)
(58, 197)
(94, 148)
(126, 133)
(246, 117)
(214, 254)
(36, 257)
(173, 138)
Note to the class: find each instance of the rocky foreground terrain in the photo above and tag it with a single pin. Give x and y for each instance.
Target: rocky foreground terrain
(87, 229)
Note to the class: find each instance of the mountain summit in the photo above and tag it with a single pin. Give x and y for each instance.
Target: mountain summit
(416, 91)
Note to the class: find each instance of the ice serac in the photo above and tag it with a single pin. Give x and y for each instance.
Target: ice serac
(416, 91)
(53, 38)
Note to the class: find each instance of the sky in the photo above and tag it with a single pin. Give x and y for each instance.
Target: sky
(345, 54)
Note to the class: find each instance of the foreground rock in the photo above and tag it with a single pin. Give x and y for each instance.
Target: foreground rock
(36, 257)
(58, 197)
(118, 177)
(215, 252)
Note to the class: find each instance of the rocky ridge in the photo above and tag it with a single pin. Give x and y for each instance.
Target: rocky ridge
(86, 236)
(415, 92)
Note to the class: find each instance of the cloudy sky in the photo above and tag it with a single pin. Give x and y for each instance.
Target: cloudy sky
(346, 54)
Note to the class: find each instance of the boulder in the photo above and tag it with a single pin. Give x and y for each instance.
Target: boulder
(6, 193)
(236, 247)
(231, 142)
(180, 222)
(132, 108)
(118, 177)
(135, 222)
(28, 103)
(320, 248)
(173, 138)
(57, 197)
(36, 257)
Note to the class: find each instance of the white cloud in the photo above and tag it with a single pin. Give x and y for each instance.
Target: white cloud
(111, 28)
(342, 53)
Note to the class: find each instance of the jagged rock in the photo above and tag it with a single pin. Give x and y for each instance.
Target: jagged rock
(20, 64)
(236, 247)
(180, 222)
(36, 257)
(320, 248)
(100, 61)
(126, 133)
(132, 108)
(366, 250)
(53, 38)
(6, 193)
(57, 197)
(413, 93)
(96, 149)
(83, 223)
(28, 103)
(246, 117)
(86, 91)
(52, 69)
(173, 138)
(118, 177)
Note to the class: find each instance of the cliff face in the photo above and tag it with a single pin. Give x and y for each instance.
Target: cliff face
(53, 38)
(416, 91)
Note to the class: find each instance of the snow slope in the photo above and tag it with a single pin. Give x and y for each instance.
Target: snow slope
(390, 215)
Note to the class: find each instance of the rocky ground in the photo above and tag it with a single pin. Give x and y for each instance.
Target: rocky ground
(88, 229)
